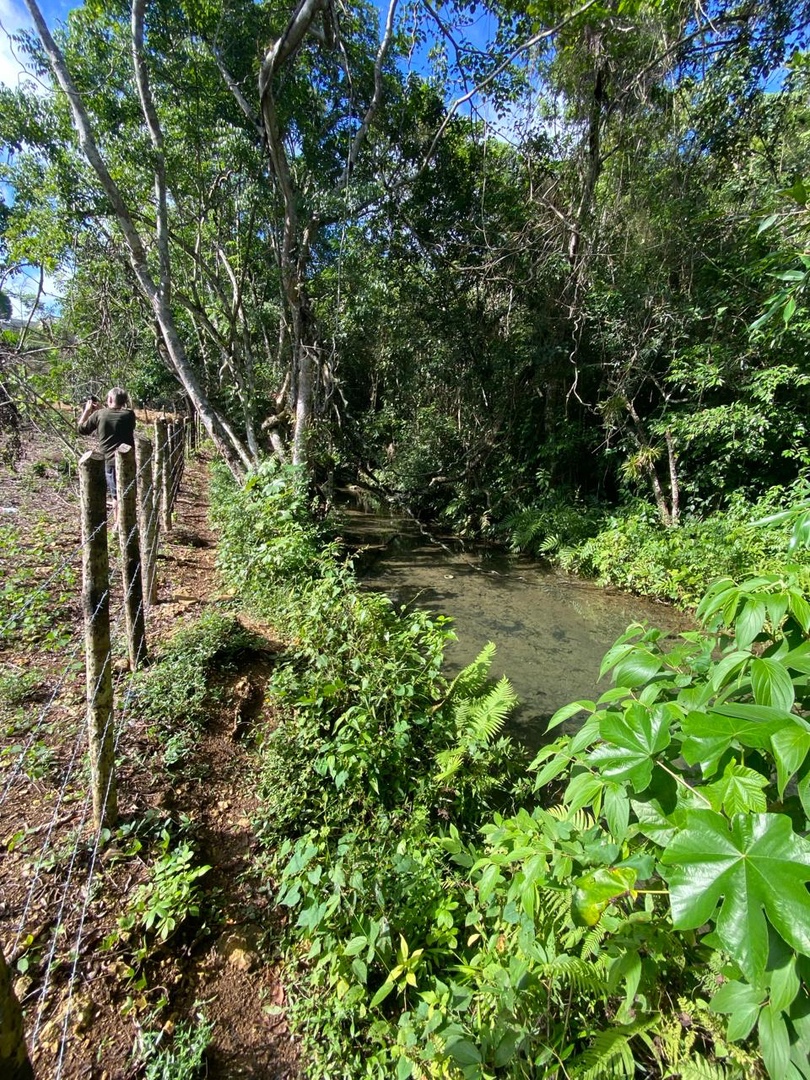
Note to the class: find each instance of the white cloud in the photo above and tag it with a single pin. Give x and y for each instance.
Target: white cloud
(13, 17)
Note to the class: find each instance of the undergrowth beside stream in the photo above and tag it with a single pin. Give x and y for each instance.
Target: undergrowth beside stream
(630, 903)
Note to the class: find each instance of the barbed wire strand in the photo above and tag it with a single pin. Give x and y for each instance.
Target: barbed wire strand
(36, 876)
(81, 733)
(88, 893)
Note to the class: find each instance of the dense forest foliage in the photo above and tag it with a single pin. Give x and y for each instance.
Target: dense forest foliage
(499, 259)
(540, 272)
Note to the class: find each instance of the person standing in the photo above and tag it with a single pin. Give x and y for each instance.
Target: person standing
(114, 426)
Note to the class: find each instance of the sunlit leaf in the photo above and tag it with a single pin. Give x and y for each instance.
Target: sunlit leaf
(754, 870)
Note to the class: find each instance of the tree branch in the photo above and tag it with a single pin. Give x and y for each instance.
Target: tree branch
(371, 112)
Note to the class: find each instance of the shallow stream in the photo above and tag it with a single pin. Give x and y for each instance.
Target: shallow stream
(551, 629)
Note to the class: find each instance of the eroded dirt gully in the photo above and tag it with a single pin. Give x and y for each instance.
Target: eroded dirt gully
(60, 898)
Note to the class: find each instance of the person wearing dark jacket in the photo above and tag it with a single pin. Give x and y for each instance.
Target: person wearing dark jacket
(114, 426)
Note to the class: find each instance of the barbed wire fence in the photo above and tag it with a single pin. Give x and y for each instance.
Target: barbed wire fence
(148, 475)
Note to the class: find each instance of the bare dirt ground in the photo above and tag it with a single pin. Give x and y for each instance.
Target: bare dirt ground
(90, 1011)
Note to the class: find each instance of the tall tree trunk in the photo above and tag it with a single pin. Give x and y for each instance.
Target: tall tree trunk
(222, 434)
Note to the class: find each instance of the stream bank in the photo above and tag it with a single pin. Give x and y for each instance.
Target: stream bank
(550, 629)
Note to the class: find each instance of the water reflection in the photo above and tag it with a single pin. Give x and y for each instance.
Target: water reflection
(551, 629)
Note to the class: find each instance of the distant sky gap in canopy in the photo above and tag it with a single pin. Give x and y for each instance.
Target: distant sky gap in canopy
(14, 17)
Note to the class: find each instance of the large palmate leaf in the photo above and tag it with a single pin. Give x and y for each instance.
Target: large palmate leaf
(709, 735)
(739, 790)
(758, 866)
(632, 739)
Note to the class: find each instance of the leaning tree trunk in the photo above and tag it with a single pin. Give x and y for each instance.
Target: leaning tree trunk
(157, 293)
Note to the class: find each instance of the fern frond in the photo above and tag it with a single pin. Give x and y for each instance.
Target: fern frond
(700, 1069)
(566, 557)
(580, 819)
(575, 973)
(488, 715)
(449, 762)
(593, 939)
(610, 1055)
(472, 681)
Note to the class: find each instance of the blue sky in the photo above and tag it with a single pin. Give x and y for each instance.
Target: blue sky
(14, 16)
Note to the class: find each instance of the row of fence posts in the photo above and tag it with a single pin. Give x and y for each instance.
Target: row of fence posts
(148, 478)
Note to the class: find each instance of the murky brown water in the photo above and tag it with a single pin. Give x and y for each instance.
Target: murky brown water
(551, 629)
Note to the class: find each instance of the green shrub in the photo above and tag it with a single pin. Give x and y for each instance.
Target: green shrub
(636, 552)
(37, 589)
(641, 908)
(175, 691)
(179, 1056)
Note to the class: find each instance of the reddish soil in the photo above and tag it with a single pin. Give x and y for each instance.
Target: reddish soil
(61, 893)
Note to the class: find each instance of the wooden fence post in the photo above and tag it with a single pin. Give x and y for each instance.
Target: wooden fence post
(161, 474)
(188, 431)
(176, 457)
(182, 426)
(130, 556)
(96, 610)
(171, 429)
(14, 1060)
(147, 517)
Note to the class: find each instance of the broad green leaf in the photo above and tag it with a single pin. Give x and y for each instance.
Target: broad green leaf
(798, 659)
(614, 654)
(785, 985)
(800, 609)
(761, 713)
(774, 1042)
(739, 790)
(632, 740)
(464, 1052)
(777, 609)
(583, 790)
(728, 666)
(715, 598)
(567, 711)
(404, 1069)
(653, 822)
(754, 869)
(707, 736)
(355, 945)
(637, 668)
(749, 622)
(587, 734)
(506, 1048)
(772, 684)
(624, 644)
(382, 993)
(742, 1003)
(803, 789)
(767, 223)
(790, 744)
(551, 770)
(798, 192)
(626, 967)
(616, 806)
(596, 890)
